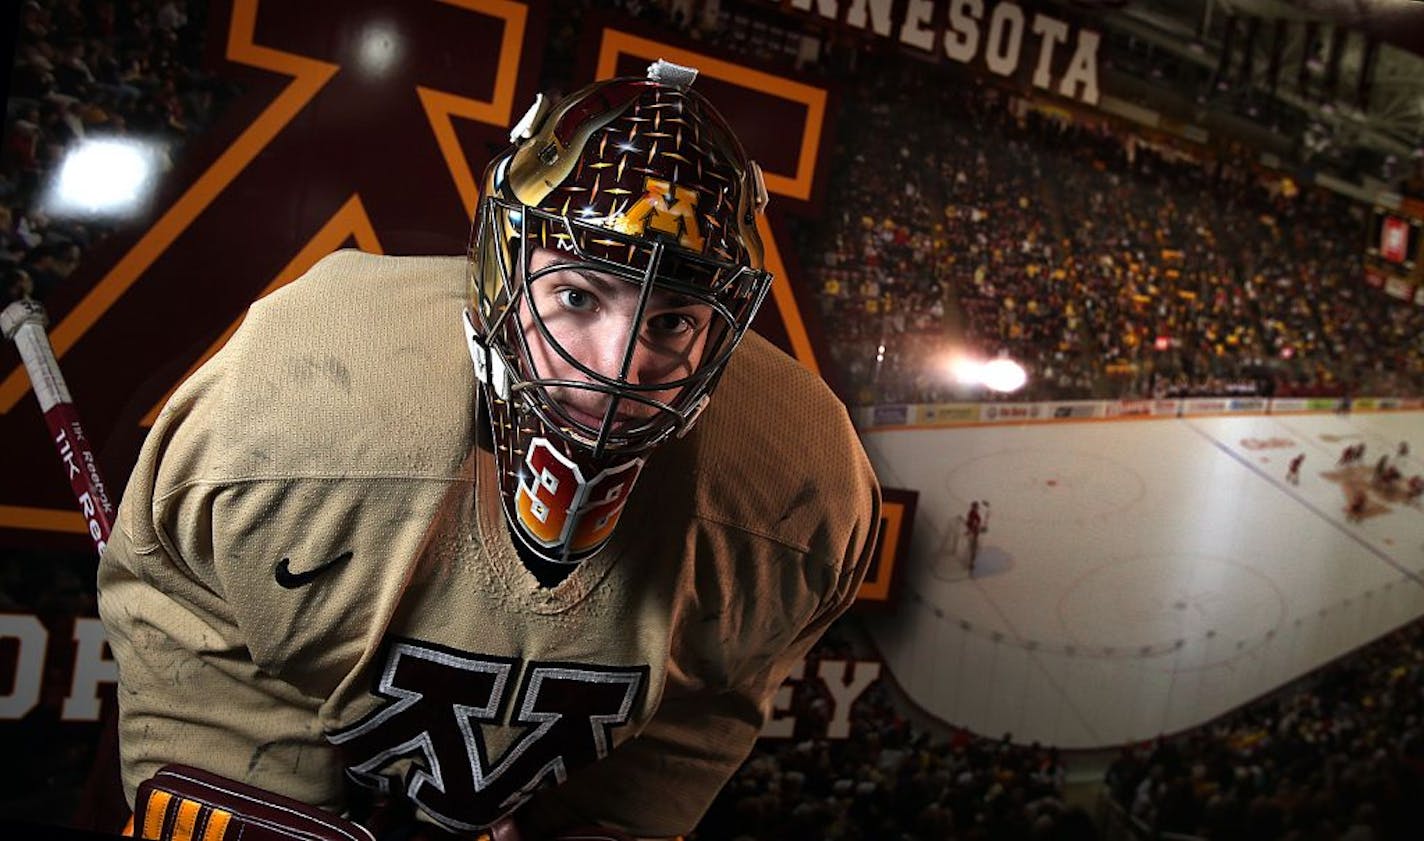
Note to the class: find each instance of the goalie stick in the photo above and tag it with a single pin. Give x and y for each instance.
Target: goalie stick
(24, 322)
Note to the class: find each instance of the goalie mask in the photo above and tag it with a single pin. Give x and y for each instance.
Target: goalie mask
(614, 266)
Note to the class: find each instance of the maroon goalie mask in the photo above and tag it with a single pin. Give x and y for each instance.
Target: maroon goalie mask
(614, 266)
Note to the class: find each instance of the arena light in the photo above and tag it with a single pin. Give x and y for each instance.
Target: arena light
(966, 371)
(1003, 375)
(108, 177)
(380, 48)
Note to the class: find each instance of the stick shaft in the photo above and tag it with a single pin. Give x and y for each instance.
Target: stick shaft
(24, 323)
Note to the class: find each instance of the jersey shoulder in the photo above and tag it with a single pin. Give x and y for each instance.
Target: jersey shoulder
(348, 391)
(357, 366)
(777, 454)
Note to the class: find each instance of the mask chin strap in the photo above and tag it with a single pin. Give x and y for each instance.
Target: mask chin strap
(489, 366)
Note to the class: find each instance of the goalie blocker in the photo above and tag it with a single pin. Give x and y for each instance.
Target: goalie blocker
(185, 804)
(181, 803)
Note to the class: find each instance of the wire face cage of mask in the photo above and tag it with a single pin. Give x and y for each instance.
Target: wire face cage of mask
(635, 415)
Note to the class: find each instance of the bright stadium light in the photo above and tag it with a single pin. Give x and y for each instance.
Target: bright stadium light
(966, 371)
(110, 177)
(380, 49)
(1003, 375)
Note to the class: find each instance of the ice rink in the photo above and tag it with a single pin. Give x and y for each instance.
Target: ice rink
(1142, 576)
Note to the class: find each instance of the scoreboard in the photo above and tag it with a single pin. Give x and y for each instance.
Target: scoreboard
(1392, 251)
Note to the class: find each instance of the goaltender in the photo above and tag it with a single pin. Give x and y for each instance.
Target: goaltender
(467, 545)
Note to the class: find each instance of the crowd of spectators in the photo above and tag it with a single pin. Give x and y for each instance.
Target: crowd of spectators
(1340, 759)
(1340, 755)
(890, 780)
(90, 69)
(1107, 263)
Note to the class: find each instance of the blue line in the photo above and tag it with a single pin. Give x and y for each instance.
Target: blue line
(1414, 576)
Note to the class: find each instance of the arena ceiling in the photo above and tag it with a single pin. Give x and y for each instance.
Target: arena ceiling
(1393, 123)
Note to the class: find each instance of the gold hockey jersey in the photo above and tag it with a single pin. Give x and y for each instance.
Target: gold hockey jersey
(310, 584)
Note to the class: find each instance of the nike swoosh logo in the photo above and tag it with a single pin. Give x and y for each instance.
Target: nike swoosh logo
(292, 580)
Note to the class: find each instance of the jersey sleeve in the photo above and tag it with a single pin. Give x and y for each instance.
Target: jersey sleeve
(189, 694)
(277, 457)
(189, 690)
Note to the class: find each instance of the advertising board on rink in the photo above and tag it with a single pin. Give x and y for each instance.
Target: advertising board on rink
(1000, 412)
(1129, 409)
(1204, 406)
(1144, 408)
(939, 414)
(894, 415)
(969, 414)
(1246, 404)
(1073, 409)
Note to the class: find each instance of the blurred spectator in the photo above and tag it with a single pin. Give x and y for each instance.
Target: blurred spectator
(18, 284)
